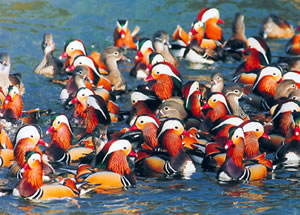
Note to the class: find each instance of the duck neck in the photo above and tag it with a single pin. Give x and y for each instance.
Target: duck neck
(172, 143)
(236, 153)
(163, 87)
(63, 137)
(118, 163)
(251, 145)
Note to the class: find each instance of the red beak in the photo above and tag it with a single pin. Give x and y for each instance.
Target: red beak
(50, 129)
(132, 154)
(186, 133)
(220, 21)
(149, 78)
(297, 131)
(122, 33)
(205, 106)
(228, 144)
(193, 31)
(74, 100)
(264, 135)
(63, 55)
(42, 142)
(70, 68)
(132, 128)
(8, 98)
(149, 67)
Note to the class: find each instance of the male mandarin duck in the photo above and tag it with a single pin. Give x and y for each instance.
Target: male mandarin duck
(295, 95)
(142, 58)
(59, 149)
(173, 160)
(192, 98)
(31, 185)
(97, 113)
(161, 45)
(50, 65)
(80, 78)
(217, 106)
(113, 169)
(262, 47)
(210, 17)
(276, 27)
(293, 45)
(8, 79)
(233, 168)
(289, 151)
(148, 124)
(166, 80)
(237, 43)
(123, 38)
(233, 94)
(252, 132)
(282, 118)
(266, 82)
(110, 57)
(13, 105)
(80, 102)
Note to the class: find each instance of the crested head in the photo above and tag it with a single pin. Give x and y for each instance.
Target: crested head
(145, 119)
(144, 44)
(171, 124)
(28, 131)
(74, 44)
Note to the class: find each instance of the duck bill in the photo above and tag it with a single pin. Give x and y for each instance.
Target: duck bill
(205, 106)
(149, 78)
(70, 68)
(50, 130)
(42, 142)
(297, 131)
(186, 133)
(132, 154)
(8, 99)
(220, 21)
(124, 58)
(122, 33)
(193, 31)
(132, 128)
(228, 144)
(74, 100)
(63, 55)
(264, 135)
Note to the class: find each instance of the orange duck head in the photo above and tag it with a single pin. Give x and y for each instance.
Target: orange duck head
(261, 46)
(122, 35)
(166, 80)
(61, 131)
(27, 139)
(13, 104)
(217, 106)
(72, 49)
(148, 124)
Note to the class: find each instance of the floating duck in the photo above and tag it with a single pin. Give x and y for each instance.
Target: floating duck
(123, 38)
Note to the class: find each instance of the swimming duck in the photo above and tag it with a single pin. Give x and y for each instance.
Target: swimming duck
(275, 26)
(174, 160)
(292, 75)
(233, 168)
(114, 171)
(31, 185)
(161, 45)
(50, 65)
(284, 89)
(237, 43)
(166, 80)
(123, 38)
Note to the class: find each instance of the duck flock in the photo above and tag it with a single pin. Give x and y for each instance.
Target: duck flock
(174, 125)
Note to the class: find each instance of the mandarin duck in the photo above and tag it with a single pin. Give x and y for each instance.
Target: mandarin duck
(233, 168)
(170, 158)
(123, 38)
(275, 26)
(31, 185)
(50, 65)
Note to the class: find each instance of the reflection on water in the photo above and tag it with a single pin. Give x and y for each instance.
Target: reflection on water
(23, 24)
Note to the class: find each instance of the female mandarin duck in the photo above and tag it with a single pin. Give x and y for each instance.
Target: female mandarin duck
(123, 38)
(166, 80)
(289, 151)
(293, 45)
(50, 65)
(31, 185)
(284, 89)
(293, 75)
(59, 149)
(266, 83)
(233, 168)
(237, 43)
(13, 105)
(148, 124)
(114, 171)
(161, 46)
(276, 27)
(110, 56)
(173, 160)
(8, 79)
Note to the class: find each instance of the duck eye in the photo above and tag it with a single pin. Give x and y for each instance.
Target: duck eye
(166, 108)
(274, 74)
(58, 122)
(72, 48)
(116, 53)
(214, 100)
(176, 127)
(157, 73)
(293, 86)
(80, 72)
(142, 121)
(237, 136)
(31, 136)
(133, 101)
(236, 91)
(80, 63)
(294, 98)
(257, 129)
(124, 147)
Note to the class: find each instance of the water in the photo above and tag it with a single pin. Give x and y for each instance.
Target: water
(23, 24)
